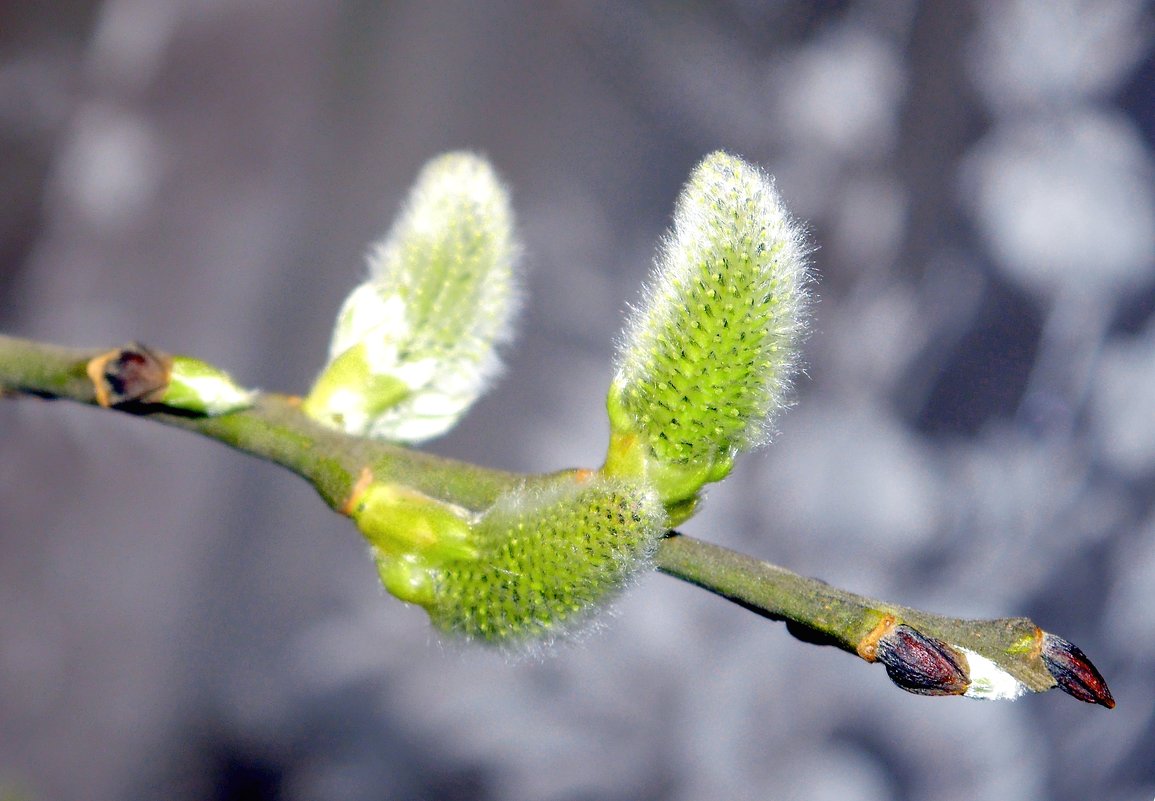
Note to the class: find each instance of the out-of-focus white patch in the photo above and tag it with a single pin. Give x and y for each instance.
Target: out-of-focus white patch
(1047, 53)
(111, 167)
(381, 353)
(410, 428)
(130, 41)
(441, 392)
(990, 682)
(1066, 205)
(419, 372)
(843, 93)
(441, 388)
(1122, 399)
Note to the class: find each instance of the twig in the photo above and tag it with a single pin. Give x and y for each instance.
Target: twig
(923, 653)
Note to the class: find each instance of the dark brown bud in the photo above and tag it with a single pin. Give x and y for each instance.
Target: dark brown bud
(128, 375)
(1074, 672)
(921, 664)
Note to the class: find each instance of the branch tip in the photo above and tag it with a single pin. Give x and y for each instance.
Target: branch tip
(1074, 673)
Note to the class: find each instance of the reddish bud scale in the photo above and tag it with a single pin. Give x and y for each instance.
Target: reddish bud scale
(1074, 673)
(921, 664)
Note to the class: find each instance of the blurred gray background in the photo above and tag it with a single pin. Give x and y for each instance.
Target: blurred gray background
(975, 433)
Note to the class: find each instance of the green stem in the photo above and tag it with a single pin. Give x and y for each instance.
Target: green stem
(50, 371)
(818, 612)
(274, 429)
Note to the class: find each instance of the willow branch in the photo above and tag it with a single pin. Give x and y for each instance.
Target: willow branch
(920, 650)
(923, 653)
(274, 429)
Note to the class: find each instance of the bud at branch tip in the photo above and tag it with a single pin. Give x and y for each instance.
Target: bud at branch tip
(1073, 672)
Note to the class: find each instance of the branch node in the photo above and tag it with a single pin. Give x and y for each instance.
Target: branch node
(364, 480)
(867, 647)
(129, 375)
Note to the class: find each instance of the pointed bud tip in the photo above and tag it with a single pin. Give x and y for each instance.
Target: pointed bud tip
(921, 664)
(1073, 672)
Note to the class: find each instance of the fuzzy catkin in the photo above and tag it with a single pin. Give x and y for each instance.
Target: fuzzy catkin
(708, 357)
(546, 560)
(416, 344)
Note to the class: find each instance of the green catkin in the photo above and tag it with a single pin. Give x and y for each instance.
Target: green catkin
(708, 358)
(545, 560)
(416, 344)
(704, 364)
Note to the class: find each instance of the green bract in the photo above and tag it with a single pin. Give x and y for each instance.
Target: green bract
(708, 357)
(415, 345)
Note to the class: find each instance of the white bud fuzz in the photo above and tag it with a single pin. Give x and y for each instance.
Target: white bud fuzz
(416, 344)
(989, 682)
(196, 386)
